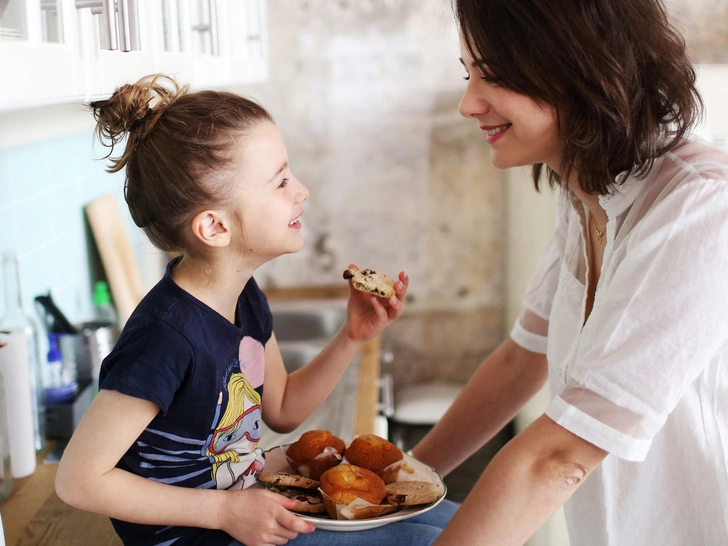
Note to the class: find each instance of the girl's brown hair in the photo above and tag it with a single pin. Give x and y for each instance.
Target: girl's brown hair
(616, 71)
(177, 150)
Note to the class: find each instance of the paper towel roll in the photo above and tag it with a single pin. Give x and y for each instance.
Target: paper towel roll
(15, 362)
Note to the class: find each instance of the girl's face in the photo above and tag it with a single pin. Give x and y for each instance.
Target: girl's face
(269, 199)
(519, 130)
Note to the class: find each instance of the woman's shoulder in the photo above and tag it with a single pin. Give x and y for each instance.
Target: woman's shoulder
(696, 159)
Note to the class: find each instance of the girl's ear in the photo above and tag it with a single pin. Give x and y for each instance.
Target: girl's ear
(212, 227)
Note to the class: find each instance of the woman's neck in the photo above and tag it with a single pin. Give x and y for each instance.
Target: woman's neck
(215, 283)
(591, 202)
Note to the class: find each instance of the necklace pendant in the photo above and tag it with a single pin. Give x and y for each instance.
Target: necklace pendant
(600, 234)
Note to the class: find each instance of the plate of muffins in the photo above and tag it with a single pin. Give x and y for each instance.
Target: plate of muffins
(351, 485)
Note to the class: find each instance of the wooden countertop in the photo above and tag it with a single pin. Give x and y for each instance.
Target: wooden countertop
(33, 515)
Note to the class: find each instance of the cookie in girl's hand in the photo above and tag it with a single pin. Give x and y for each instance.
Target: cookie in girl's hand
(371, 282)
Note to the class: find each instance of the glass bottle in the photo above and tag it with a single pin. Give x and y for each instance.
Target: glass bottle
(18, 321)
(104, 310)
(6, 475)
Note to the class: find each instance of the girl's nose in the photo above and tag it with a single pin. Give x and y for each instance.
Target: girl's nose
(302, 193)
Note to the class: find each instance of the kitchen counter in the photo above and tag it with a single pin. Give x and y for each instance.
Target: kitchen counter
(33, 515)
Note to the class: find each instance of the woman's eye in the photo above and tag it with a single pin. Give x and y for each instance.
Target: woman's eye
(490, 78)
(466, 77)
(283, 183)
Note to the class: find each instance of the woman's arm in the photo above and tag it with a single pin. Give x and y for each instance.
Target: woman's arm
(289, 399)
(524, 484)
(88, 479)
(498, 389)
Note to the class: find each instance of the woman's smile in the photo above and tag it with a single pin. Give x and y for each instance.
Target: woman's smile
(493, 133)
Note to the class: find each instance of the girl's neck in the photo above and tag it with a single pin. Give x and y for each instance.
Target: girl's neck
(215, 283)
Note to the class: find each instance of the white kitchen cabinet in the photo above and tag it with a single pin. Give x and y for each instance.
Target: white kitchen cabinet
(62, 51)
(212, 42)
(40, 62)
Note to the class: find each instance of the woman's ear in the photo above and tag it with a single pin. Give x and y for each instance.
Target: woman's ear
(212, 227)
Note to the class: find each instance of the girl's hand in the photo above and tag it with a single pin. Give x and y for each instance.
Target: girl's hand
(257, 517)
(368, 315)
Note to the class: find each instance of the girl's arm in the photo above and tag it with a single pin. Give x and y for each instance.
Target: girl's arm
(522, 487)
(495, 393)
(87, 479)
(289, 399)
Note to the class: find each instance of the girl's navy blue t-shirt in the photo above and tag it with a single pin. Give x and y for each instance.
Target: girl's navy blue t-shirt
(206, 376)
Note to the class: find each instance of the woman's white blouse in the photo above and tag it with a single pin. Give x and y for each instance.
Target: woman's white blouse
(646, 376)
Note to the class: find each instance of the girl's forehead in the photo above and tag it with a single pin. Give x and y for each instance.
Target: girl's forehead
(261, 154)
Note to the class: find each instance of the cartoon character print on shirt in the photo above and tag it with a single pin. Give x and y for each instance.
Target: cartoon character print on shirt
(232, 445)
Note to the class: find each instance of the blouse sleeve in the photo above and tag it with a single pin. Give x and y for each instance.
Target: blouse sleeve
(656, 326)
(531, 327)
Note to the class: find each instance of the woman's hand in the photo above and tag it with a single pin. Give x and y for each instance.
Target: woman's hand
(368, 315)
(257, 517)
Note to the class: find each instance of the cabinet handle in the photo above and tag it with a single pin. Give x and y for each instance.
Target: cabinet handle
(210, 27)
(125, 23)
(107, 8)
(215, 45)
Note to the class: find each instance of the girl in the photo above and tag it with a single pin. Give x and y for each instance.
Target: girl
(626, 313)
(168, 447)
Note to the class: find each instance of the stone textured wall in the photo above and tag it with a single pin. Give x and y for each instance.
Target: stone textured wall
(366, 93)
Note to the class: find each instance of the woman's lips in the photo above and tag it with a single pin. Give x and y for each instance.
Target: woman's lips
(494, 132)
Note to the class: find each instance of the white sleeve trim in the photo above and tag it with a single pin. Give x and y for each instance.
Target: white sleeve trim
(596, 432)
(528, 340)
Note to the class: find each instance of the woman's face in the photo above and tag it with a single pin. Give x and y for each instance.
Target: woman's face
(518, 129)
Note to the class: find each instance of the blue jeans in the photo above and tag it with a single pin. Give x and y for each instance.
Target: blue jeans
(417, 531)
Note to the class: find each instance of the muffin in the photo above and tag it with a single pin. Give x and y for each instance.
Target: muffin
(345, 483)
(372, 452)
(314, 453)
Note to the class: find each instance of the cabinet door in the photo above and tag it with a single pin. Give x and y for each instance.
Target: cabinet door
(212, 43)
(248, 38)
(40, 58)
(192, 50)
(118, 39)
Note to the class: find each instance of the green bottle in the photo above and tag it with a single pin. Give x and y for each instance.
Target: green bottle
(104, 310)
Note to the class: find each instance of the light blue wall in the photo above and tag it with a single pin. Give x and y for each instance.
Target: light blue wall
(44, 187)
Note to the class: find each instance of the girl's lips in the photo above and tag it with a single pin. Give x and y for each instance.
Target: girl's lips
(494, 132)
(295, 224)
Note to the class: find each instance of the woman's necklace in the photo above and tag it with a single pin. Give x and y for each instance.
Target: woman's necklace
(599, 233)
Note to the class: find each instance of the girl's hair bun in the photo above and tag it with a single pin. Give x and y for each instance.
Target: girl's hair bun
(133, 109)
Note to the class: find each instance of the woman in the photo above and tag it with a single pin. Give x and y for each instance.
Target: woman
(626, 312)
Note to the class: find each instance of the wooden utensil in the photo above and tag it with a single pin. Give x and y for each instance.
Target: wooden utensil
(120, 264)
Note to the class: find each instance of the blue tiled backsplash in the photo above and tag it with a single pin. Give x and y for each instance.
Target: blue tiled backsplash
(44, 187)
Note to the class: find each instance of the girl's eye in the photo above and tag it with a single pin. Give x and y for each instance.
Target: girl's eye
(283, 183)
(466, 77)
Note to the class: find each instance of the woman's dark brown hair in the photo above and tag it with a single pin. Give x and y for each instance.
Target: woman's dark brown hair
(177, 151)
(616, 71)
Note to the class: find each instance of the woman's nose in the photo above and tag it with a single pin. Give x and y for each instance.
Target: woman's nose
(471, 104)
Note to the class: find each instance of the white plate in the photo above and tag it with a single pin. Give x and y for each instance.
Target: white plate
(275, 461)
